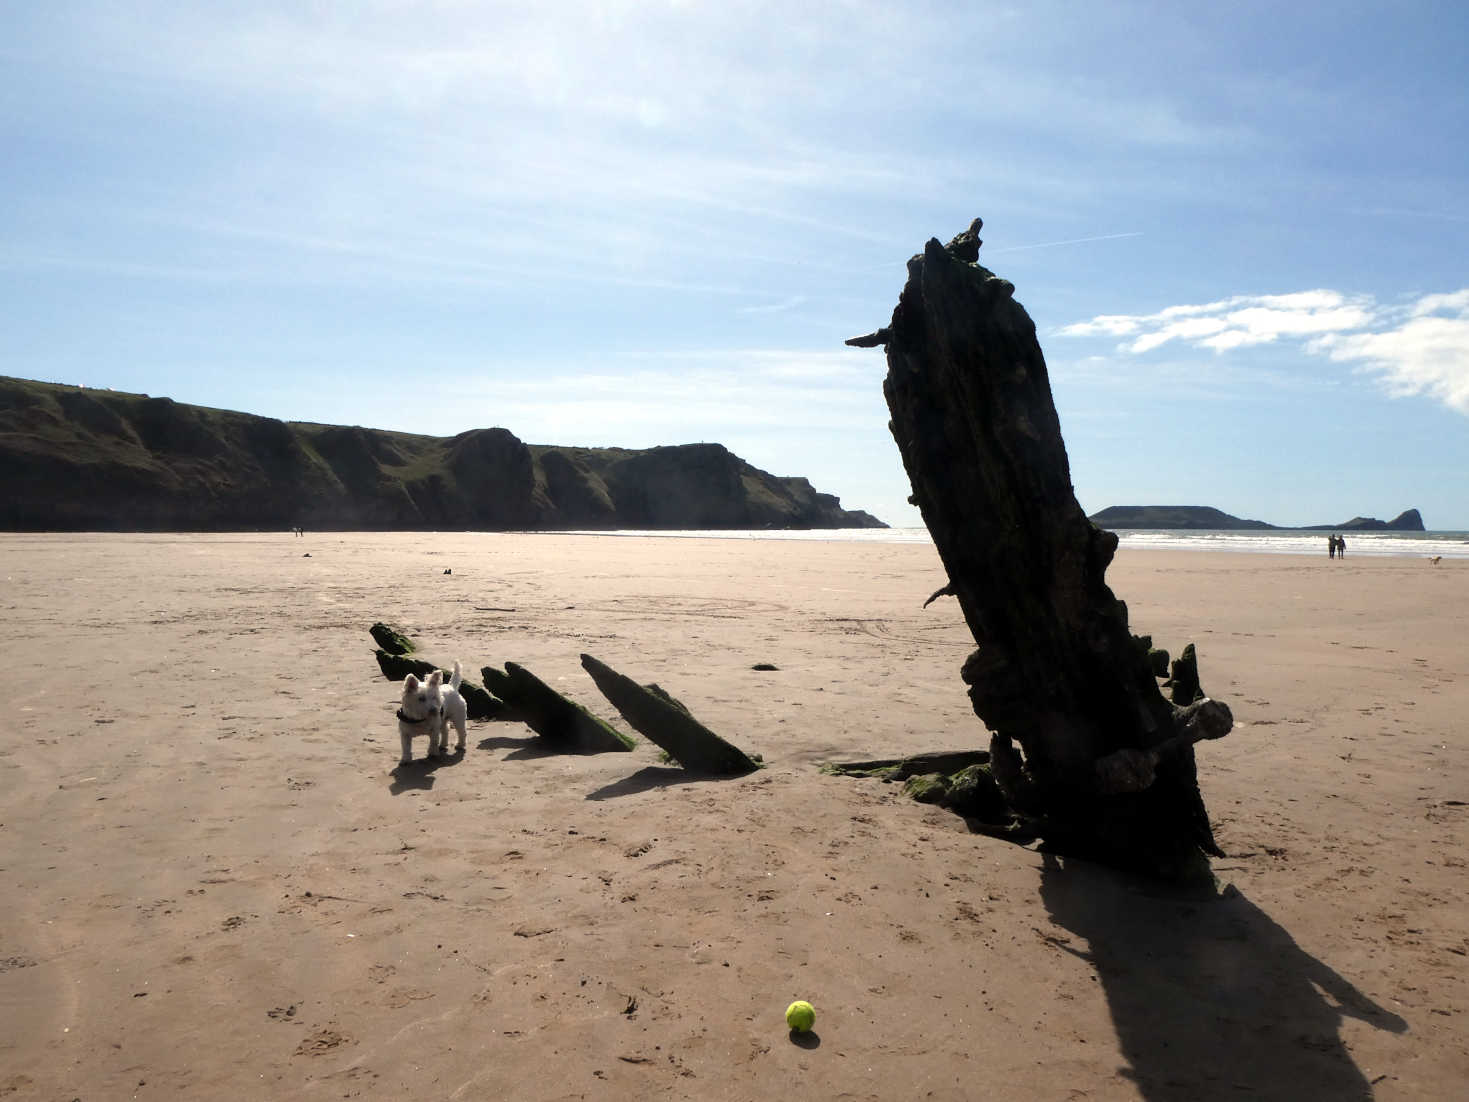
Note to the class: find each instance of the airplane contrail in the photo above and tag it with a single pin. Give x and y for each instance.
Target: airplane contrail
(1073, 241)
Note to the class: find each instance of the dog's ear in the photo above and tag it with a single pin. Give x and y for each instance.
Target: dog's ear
(410, 683)
(436, 678)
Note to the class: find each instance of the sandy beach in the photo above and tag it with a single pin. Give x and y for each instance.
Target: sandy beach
(215, 884)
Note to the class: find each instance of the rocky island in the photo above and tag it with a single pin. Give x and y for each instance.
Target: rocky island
(1204, 517)
(82, 459)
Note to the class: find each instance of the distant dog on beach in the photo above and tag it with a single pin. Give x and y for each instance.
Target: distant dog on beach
(1436, 559)
(428, 708)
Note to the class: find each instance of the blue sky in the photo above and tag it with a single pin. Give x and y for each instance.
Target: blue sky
(1242, 230)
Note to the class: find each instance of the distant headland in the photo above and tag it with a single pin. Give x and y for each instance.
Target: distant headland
(1202, 516)
(81, 459)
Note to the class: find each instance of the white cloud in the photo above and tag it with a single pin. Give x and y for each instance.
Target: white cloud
(1189, 329)
(1265, 323)
(1114, 325)
(1223, 342)
(1233, 322)
(1458, 302)
(1427, 354)
(1421, 348)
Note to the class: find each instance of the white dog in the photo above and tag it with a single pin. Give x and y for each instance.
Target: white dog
(428, 708)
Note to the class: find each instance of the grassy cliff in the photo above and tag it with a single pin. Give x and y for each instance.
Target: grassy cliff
(84, 459)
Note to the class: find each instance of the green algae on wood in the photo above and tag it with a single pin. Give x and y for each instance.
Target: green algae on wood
(960, 780)
(478, 704)
(561, 722)
(927, 788)
(667, 721)
(396, 667)
(974, 794)
(391, 639)
(898, 769)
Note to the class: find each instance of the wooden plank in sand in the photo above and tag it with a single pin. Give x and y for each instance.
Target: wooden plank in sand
(560, 721)
(665, 721)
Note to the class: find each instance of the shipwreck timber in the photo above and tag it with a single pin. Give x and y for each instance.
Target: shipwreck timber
(1083, 745)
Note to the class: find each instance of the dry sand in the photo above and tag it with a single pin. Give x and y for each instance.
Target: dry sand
(215, 885)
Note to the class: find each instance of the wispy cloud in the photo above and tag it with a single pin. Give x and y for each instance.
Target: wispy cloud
(1058, 244)
(774, 307)
(664, 100)
(1421, 348)
(1407, 212)
(666, 392)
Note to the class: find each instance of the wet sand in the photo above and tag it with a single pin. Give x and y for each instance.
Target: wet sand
(216, 883)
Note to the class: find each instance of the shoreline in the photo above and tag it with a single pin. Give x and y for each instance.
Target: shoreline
(1446, 545)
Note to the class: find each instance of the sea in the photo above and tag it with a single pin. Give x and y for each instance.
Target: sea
(1278, 541)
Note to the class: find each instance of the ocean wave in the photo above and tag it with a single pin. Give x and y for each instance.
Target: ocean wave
(1449, 545)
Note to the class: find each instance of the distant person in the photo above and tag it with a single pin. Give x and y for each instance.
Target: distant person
(1341, 547)
(1331, 546)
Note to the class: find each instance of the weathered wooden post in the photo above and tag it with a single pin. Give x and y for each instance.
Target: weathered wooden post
(1083, 744)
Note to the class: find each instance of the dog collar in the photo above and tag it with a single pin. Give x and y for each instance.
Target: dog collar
(423, 719)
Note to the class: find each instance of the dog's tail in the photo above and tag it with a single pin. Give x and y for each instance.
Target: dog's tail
(456, 679)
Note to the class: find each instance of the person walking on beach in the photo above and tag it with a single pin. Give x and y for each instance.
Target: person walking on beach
(1341, 547)
(1331, 546)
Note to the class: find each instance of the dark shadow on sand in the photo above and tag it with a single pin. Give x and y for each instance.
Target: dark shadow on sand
(419, 773)
(531, 747)
(521, 749)
(1211, 998)
(810, 1039)
(650, 777)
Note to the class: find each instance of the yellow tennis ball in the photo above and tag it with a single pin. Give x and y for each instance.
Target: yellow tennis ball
(800, 1015)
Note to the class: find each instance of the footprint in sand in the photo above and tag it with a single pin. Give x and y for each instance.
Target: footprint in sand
(400, 997)
(322, 1042)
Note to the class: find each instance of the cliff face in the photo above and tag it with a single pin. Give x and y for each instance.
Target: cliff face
(1408, 521)
(73, 459)
(684, 486)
